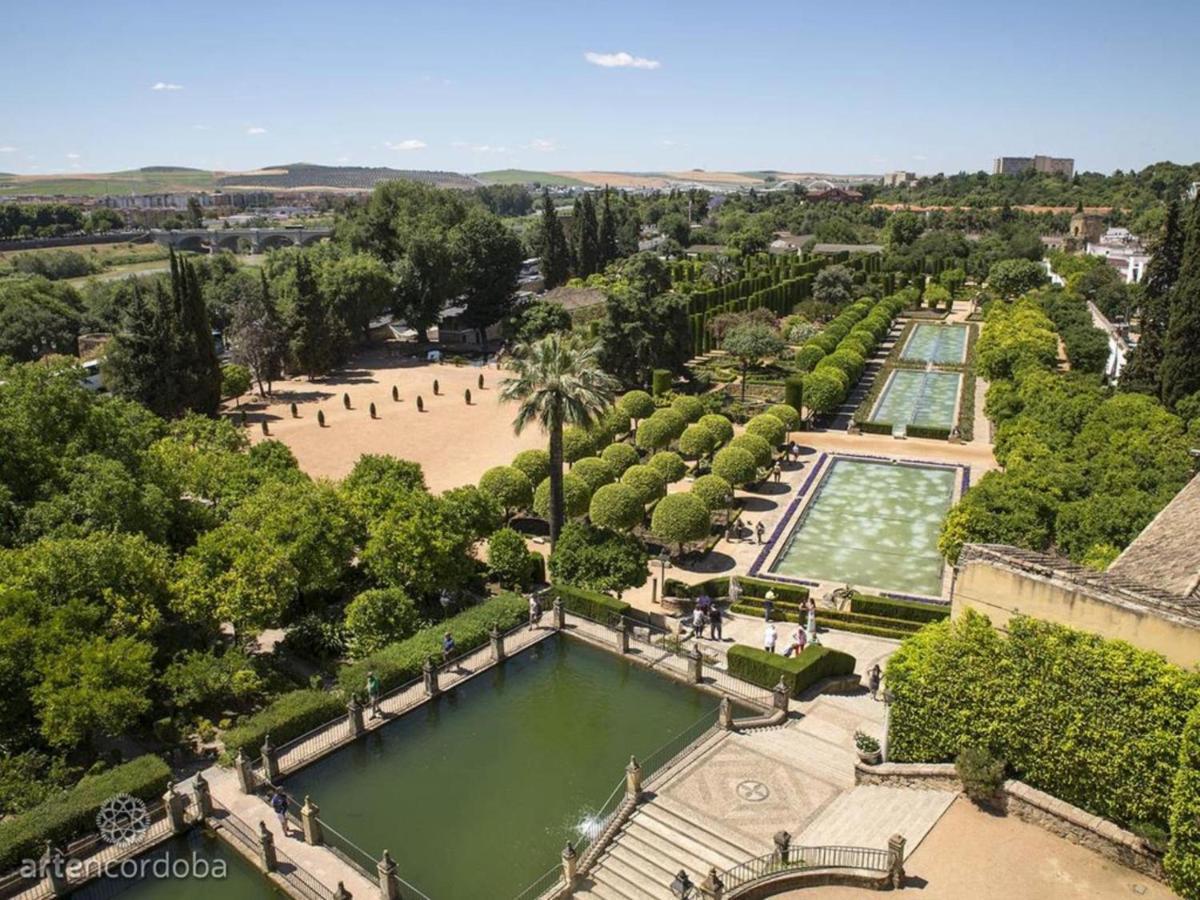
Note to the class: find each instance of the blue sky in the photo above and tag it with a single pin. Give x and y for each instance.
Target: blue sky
(469, 86)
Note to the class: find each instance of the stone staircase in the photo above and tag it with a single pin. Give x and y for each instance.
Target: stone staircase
(870, 814)
(661, 838)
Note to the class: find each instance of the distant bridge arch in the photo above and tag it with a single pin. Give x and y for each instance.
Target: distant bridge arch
(257, 240)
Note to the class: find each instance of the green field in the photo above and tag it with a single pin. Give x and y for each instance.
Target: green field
(527, 176)
(153, 180)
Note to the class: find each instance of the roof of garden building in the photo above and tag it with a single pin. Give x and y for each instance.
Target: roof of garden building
(575, 297)
(1167, 552)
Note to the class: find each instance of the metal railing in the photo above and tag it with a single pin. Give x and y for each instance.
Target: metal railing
(303, 882)
(801, 859)
(543, 885)
(679, 746)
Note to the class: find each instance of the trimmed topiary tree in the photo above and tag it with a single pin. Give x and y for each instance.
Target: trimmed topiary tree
(534, 463)
(295, 411)
(715, 492)
(576, 497)
(436, 387)
(767, 427)
(670, 465)
(618, 507)
(467, 396)
(395, 394)
(509, 558)
(508, 486)
(637, 405)
(674, 421)
(689, 407)
(793, 396)
(420, 403)
(756, 446)
(577, 443)
(660, 381)
(620, 456)
(320, 418)
(786, 413)
(697, 441)
(595, 471)
(654, 434)
(823, 391)
(597, 559)
(346, 400)
(648, 482)
(679, 519)
(735, 465)
(808, 356)
(721, 427)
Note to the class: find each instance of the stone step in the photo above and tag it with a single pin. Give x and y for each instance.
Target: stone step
(686, 820)
(630, 887)
(653, 856)
(698, 846)
(870, 814)
(635, 871)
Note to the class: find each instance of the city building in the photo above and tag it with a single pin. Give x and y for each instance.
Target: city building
(1047, 165)
(1086, 226)
(1123, 251)
(898, 179)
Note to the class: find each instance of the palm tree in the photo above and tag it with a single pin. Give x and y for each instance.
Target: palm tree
(558, 381)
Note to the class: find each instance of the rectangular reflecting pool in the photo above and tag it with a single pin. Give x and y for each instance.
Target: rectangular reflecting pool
(476, 793)
(938, 344)
(913, 397)
(872, 524)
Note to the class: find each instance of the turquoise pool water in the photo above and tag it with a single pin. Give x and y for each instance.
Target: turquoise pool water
(476, 793)
(919, 398)
(938, 344)
(874, 525)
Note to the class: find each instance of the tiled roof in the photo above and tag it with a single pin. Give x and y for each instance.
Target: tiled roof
(1167, 552)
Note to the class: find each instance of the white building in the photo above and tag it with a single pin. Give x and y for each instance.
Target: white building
(1123, 251)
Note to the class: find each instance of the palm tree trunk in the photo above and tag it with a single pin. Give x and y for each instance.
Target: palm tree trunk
(556, 473)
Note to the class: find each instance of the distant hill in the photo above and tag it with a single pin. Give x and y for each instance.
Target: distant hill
(664, 180)
(301, 176)
(150, 180)
(526, 176)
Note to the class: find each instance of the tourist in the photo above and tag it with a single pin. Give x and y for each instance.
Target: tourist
(759, 530)
(768, 605)
(811, 606)
(714, 623)
(279, 803)
(777, 471)
(373, 693)
(769, 638)
(704, 603)
(698, 623)
(795, 451)
(799, 639)
(447, 647)
(535, 612)
(874, 674)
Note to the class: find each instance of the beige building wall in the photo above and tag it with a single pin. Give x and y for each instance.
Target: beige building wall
(1000, 593)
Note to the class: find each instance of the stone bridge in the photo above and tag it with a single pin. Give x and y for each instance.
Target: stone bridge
(238, 240)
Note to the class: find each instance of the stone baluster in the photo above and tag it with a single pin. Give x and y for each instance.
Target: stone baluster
(430, 673)
(245, 773)
(270, 761)
(266, 848)
(570, 863)
(622, 636)
(725, 715)
(203, 795)
(389, 881)
(560, 614)
(896, 858)
(309, 823)
(696, 665)
(354, 715)
(781, 697)
(633, 779)
(497, 639)
(173, 803)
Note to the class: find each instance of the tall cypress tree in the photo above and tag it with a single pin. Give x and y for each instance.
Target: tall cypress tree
(308, 337)
(139, 361)
(608, 232)
(556, 255)
(201, 370)
(1141, 373)
(587, 238)
(1180, 368)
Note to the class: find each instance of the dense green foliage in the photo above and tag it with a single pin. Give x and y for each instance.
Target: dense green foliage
(590, 604)
(1182, 861)
(680, 519)
(598, 559)
(796, 672)
(887, 607)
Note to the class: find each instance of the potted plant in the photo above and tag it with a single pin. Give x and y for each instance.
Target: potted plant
(867, 747)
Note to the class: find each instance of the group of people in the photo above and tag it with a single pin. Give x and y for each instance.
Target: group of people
(707, 612)
(803, 635)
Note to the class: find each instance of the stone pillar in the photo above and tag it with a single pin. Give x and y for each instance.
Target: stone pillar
(497, 640)
(173, 804)
(245, 774)
(783, 846)
(696, 666)
(725, 715)
(653, 590)
(633, 779)
(341, 893)
(560, 615)
(266, 848)
(203, 795)
(430, 673)
(54, 864)
(389, 883)
(622, 636)
(896, 854)
(354, 714)
(309, 822)
(780, 697)
(712, 887)
(570, 861)
(270, 761)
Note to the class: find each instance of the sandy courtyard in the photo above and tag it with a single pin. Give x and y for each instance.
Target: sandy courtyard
(454, 443)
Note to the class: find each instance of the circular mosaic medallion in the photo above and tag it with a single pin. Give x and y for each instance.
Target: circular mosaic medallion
(753, 791)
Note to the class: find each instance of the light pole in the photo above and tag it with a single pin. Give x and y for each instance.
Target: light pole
(664, 560)
(888, 697)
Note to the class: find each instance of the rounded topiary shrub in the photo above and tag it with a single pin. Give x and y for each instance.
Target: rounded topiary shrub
(636, 405)
(620, 456)
(824, 390)
(808, 356)
(577, 443)
(611, 425)
(767, 427)
(534, 463)
(674, 421)
(786, 413)
(509, 558)
(648, 482)
(721, 427)
(576, 497)
(735, 465)
(508, 486)
(616, 506)
(669, 465)
(654, 434)
(689, 407)
(696, 441)
(836, 371)
(679, 519)
(714, 491)
(595, 471)
(848, 361)
(756, 446)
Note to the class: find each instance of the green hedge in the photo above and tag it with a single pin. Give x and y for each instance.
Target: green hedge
(402, 661)
(1094, 722)
(287, 716)
(72, 813)
(1183, 852)
(928, 431)
(719, 587)
(592, 604)
(871, 625)
(886, 607)
(875, 427)
(798, 672)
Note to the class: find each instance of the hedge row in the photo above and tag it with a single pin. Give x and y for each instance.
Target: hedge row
(932, 432)
(287, 716)
(886, 607)
(73, 812)
(591, 604)
(797, 672)
(718, 588)
(885, 628)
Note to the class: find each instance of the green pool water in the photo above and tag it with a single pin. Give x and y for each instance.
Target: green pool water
(872, 524)
(241, 880)
(476, 793)
(938, 344)
(919, 398)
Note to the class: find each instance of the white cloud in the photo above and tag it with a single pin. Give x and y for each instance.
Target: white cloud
(667, 142)
(7, 149)
(621, 60)
(254, 129)
(200, 127)
(920, 157)
(72, 156)
(343, 159)
(410, 144)
(488, 148)
(166, 86)
(543, 145)
(459, 144)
